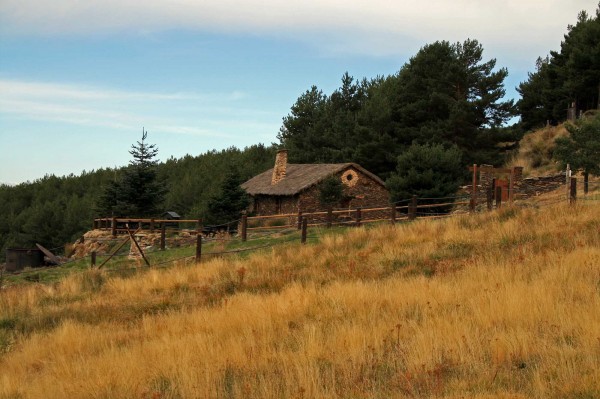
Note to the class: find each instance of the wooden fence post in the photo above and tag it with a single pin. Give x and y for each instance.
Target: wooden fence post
(132, 238)
(393, 214)
(573, 191)
(490, 198)
(198, 247)
(198, 225)
(113, 227)
(163, 233)
(93, 256)
(95, 224)
(115, 251)
(244, 226)
(151, 225)
(358, 215)
(473, 200)
(412, 208)
(303, 234)
(498, 197)
(511, 185)
(299, 220)
(329, 217)
(586, 183)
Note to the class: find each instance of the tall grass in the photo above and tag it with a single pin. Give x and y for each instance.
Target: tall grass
(536, 151)
(504, 304)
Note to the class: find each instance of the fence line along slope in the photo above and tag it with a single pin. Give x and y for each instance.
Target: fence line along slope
(499, 304)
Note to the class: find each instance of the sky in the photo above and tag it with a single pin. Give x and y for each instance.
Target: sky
(79, 80)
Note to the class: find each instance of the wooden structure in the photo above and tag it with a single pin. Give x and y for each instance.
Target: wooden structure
(171, 216)
(505, 181)
(289, 188)
(49, 257)
(572, 112)
(118, 225)
(20, 258)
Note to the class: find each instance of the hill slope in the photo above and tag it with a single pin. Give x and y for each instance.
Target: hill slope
(503, 304)
(536, 149)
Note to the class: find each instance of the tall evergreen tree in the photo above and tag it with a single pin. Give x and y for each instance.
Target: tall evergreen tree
(302, 129)
(446, 94)
(138, 193)
(566, 76)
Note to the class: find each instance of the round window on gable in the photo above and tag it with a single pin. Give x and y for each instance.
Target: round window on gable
(350, 178)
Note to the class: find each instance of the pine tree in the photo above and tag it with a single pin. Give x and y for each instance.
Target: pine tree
(139, 192)
(447, 95)
(302, 130)
(228, 204)
(427, 171)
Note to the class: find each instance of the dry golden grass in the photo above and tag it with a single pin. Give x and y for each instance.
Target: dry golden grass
(497, 305)
(535, 151)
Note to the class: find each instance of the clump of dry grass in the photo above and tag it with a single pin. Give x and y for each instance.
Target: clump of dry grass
(503, 304)
(536, 150)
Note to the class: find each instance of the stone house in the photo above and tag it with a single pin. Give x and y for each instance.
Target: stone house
(289, 188)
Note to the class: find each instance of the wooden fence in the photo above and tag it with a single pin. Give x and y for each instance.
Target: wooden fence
(402, 210)
(407, 210)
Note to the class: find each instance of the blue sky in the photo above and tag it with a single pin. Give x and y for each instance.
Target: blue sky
(79, 79)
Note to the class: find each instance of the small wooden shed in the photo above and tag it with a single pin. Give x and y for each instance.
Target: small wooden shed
(170, 215)
(20, 258)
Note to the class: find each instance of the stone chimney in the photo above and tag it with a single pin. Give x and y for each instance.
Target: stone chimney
(280, 166)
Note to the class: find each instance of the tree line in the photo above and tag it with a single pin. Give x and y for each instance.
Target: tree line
(55, 210)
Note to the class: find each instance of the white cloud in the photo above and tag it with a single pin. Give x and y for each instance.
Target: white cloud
(374, 27)
(18, 88)
(125, 110)
(64, 113)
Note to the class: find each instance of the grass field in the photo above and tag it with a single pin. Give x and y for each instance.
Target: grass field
(502, 304)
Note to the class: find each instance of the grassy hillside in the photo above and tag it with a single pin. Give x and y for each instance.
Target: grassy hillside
(503, 304)
(536, 149)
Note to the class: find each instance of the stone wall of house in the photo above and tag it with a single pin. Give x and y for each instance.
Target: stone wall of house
(273, 205)
(363, 191)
